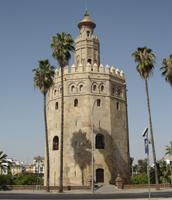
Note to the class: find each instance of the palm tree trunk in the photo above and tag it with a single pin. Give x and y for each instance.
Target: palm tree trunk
(152, 140)
(47, 149)
(62, 124)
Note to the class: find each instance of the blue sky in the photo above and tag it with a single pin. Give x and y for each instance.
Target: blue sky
(122, 26)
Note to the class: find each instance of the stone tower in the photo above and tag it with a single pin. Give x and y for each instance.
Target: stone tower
(86, 84)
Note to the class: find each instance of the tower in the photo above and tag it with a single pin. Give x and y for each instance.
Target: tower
(87, 48)
(89, 82)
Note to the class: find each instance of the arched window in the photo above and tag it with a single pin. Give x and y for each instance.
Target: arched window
(55, 91)
(72, 88)
(76, 103)
(55, 143)
(94, 87)
(99, 141)
(102, 88)
(56, 106)
(88, 33)
(89, 60)
(81, 87)
(98, 102)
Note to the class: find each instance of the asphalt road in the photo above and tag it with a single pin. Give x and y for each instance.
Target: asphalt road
(166, 194)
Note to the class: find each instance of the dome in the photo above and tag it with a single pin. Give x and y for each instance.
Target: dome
(86, 21)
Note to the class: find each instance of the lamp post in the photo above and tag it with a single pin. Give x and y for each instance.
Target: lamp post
(145, 132)
(92, 147)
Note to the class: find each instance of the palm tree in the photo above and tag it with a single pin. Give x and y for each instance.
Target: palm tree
(62, 45)
(169, 152)
(146, 60)
(4, 163)
(43, 79)
(167, 67)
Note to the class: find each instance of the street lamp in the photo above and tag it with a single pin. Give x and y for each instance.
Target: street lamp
(145, 132)
(92, 146)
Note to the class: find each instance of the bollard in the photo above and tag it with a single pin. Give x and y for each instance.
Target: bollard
(119, 182)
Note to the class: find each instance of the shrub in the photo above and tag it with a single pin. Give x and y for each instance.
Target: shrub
(6, 179)
(139, 179)
(24, 179)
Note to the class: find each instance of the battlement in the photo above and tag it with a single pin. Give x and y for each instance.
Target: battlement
(85, 36)
(92, 68)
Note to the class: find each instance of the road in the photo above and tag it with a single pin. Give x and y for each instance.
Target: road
(156, 195)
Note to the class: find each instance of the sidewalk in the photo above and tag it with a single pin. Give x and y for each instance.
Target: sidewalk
(104, 190)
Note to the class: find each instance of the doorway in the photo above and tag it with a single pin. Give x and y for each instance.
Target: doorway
(100, 175)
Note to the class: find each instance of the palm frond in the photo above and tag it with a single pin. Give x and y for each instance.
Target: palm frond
(146, 60)
(62, 44)
(43, 78)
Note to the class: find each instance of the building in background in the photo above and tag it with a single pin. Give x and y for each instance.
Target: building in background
(15, 168)
(38, 166)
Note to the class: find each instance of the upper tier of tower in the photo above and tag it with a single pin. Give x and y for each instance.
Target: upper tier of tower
(87, 47)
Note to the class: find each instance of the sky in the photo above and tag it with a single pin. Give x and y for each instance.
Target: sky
(121, 26)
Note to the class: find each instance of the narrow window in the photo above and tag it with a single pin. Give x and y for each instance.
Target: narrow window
(72, 88)
(102, 88)
(75, 173)
(55, 91)
(76, 103)
(60, 90)
(98, 102)
(113, 91)
(55, 143)
(94, 87)
(89, 60)
(81, 87)
(56, 106)
(119, 92)
(117, 105)
(88, 33)
(99, 141)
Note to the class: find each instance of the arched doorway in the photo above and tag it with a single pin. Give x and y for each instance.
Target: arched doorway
(100, 175)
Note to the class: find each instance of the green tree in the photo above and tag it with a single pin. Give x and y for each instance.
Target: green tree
(167, 67)
(143, 164)
(62, 45)
(169, 153)
(163, 172)
(169, 149)
(26, 179)
(43, 79)
(146, 60)
(139, 179)
(6, 179)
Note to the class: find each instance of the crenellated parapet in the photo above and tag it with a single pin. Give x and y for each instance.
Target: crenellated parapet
(92, 68)
(80, 37)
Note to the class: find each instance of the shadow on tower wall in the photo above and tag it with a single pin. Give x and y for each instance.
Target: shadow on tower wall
(82, 147)
(113, 158)
(115, 162)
